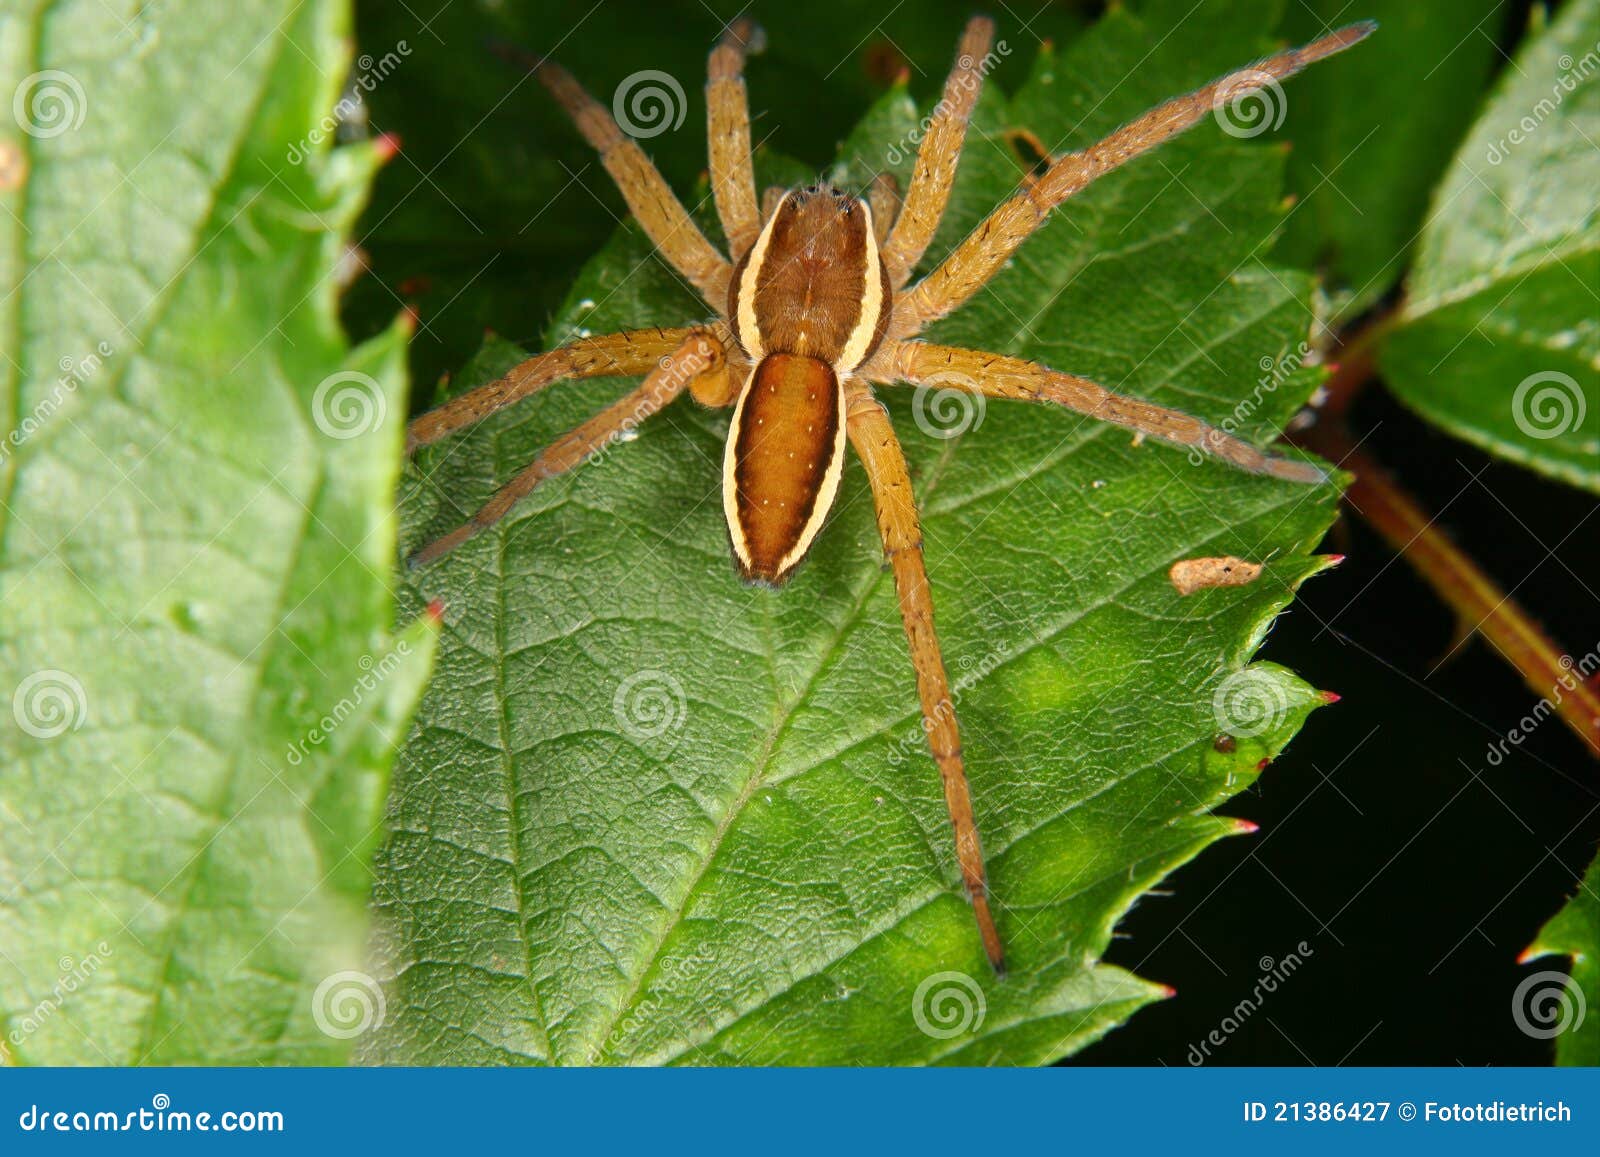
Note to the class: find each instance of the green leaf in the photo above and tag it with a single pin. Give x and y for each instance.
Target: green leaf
(650, 815)
(1567, 1007)
(194, 572)
(1373, 131)
(1499, 342)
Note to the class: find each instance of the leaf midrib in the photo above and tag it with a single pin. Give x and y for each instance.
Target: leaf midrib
(922, 901)
(1578, 244)
(783, 715)
(759, 779)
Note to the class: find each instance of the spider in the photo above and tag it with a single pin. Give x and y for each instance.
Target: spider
(814, 307)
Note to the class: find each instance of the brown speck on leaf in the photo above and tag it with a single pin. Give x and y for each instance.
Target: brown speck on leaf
(1225, 743)
(1192, 574)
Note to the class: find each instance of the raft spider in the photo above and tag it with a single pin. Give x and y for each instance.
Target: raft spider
(814, 306)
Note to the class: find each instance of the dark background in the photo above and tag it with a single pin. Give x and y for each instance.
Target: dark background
(1414, 870)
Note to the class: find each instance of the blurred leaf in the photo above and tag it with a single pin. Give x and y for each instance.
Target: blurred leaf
(1500, 335)
(194, 573)
(1373, 130)
(652, 815)
(1569, 1008)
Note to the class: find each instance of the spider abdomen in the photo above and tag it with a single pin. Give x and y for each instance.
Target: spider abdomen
(781, 468)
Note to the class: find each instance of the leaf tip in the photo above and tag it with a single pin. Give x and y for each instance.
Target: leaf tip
(385, 147)
(1329, 697)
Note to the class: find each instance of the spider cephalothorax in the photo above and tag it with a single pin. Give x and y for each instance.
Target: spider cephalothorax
(814, 308)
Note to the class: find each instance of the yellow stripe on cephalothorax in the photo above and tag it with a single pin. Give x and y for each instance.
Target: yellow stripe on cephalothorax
(746, 324)
(859, 344)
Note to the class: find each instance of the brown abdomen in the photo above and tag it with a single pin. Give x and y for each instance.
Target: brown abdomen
(781, 471)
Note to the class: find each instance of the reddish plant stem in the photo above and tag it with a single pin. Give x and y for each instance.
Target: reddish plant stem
(1475, 597)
